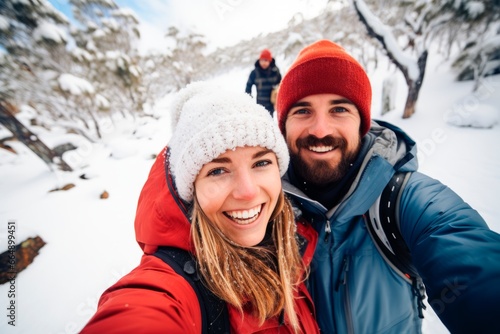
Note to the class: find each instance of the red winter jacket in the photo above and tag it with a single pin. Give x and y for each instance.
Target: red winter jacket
(153, 298)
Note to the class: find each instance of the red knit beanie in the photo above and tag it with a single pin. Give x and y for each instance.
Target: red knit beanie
(325, 68)
(266, 55)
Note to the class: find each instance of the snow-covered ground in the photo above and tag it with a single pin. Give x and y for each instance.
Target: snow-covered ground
(91, 242)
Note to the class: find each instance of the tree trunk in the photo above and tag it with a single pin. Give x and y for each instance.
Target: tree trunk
(28, 138)
(389, 90)
(414, 86)
(18, 257)
(411, 101)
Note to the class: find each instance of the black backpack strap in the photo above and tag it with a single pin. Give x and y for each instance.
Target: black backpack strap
(214, 313)
(382, 220)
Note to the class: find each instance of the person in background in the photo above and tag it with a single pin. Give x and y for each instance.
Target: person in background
(341, 161)
(215, 191)
(266, 77)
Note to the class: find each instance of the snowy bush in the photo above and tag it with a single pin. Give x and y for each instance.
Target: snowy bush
(481, 116)
(74, 85)
(50, 32)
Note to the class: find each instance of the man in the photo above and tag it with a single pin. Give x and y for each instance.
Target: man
(341, 162)
(265, 76)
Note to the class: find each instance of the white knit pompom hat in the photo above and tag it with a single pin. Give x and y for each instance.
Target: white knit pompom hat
(207, 121)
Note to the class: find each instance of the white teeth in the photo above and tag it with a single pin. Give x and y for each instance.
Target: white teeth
(247, 215)
(320, 149)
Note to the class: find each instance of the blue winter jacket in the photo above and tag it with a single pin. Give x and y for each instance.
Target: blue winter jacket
(457, 255)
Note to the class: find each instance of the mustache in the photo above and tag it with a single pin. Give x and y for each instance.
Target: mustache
(311, 140)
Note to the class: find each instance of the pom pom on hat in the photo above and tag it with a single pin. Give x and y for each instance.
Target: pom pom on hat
(207, 122)
(266, 55)
(184, 95)
(325, 68)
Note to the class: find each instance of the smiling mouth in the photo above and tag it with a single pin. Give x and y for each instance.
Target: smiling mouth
(244, 217)
(321, 149)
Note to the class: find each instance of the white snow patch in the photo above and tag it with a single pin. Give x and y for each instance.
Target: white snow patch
(474, 8)
(4, 23)
(75, 85)
(476, 116)
(102, 102)
(50, 31)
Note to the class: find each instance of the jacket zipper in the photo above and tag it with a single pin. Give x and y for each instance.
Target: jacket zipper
(347, 301)
(328, 230)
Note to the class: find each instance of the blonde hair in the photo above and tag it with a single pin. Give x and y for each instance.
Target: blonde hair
(261, 278)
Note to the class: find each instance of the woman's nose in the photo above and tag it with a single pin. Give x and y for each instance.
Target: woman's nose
(245, 187)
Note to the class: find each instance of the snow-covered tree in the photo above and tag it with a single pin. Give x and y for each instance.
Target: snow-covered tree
(34, 36)
(80, 98)
(480, 57)
(480, 49)
(157, 81)
(105, 27)
(413, 35)
(182, 62)
(73, 76)
(107, 54)
(406, 41)
(185, 55)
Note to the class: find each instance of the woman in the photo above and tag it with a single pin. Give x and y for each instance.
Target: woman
(216, 192)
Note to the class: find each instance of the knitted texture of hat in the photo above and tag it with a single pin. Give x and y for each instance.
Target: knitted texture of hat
(325, 68)
(266, 54)
(207, 122)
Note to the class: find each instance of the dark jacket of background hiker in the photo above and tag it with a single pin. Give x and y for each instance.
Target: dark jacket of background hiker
(264, 80)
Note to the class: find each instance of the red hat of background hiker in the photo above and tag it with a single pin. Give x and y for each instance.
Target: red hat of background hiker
(266, 55)
(325, 68)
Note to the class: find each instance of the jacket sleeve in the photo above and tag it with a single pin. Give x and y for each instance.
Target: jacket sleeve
(456, 254)
(250, 82)
(150, 299)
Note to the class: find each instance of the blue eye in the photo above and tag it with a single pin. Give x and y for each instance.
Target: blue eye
(263, 163)
(215, 172)
(301, 111)
(339, 109)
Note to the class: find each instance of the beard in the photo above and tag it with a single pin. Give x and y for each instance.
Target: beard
(321, 172)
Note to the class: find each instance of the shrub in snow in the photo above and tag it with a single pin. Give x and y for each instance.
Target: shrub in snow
(74, 85)
(50, 32)
(4, 23)
(389, 93)
(102, 103)
(480, 116)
